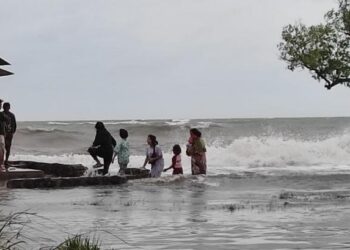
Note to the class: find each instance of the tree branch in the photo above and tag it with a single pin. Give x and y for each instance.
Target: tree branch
(329, 84)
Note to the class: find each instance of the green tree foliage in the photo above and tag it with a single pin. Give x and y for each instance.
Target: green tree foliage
(322, 49)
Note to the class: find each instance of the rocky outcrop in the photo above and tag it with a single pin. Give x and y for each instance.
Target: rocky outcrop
(136, 173)
(53, 169)
(59, 182)
(66, 182)
(20, 173)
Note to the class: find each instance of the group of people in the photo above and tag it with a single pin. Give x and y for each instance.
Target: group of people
(8, 128)
(106, 147)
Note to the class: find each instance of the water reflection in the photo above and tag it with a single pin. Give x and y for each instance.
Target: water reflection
(186, 214)
(197, 204)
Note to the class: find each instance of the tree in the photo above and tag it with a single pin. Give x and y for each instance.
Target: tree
(323, 49)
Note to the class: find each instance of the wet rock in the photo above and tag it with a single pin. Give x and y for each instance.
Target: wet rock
(53, 169)
(136, 173)
(20, 173)
(53, 182)
(286, 195)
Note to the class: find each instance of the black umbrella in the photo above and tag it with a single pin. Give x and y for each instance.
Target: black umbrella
(5, 73)
(3, 62)
(2, 71)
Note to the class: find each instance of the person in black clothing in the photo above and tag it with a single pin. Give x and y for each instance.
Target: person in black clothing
(2, 138)
(102, 146)
(10, 129)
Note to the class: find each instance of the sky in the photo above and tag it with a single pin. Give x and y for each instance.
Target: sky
(158, 59)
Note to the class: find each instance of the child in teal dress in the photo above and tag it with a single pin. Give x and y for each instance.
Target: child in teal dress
(122, 151)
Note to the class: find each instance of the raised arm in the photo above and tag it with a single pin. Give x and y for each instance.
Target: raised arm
(173, 162)
(145, 163)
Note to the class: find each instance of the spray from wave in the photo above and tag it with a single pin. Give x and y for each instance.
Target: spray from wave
(261, 155)
(278, 151)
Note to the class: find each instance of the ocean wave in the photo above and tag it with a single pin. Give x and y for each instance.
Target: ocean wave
(33, 130)
(187, 179)
(270, 155)
(131, 122)
(59, 123)
(86, 123)
(178, 122)
(161, 180)
(279, 152)
(174, 122)
(205, 124)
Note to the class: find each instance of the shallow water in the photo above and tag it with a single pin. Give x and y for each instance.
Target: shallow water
(215, 212)
(272, 184)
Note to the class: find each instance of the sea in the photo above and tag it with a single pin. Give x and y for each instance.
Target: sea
(277, 183)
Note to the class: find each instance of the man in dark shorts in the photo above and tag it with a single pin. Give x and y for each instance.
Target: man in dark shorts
(102, 146)
(10, 129)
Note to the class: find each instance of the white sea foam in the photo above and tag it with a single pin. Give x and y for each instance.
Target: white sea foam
(59, 123)
(131, 122)
(178, 122)
(204, 124)
(164, 179)
(268, 153)
(253, 154)
(38, 129)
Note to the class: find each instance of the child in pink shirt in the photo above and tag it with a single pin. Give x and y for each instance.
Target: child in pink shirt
(176, 161)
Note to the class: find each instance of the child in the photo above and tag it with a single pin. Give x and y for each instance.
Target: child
(122, 150)
(176, 161)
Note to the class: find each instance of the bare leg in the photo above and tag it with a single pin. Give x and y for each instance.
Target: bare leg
(122, 168)
(94, 155)
(7, 154)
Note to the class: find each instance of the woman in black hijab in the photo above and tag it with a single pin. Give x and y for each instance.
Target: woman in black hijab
(102, 146)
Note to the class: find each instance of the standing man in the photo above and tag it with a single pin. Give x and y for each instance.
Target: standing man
(10, 129)
(2, 138)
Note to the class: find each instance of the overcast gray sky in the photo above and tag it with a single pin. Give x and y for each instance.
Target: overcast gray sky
(149, 59)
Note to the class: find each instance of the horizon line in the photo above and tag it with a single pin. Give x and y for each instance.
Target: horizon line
(190, 119)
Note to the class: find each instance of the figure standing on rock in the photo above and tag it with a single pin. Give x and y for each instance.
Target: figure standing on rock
(102, 146)
(10, 129)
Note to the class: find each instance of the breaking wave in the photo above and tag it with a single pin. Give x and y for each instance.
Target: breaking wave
(32, 130)
(267, 155)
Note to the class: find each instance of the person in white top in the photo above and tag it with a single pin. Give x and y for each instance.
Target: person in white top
(154, 156)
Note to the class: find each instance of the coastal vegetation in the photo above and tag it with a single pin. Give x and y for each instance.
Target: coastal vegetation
(10, 230)
(78, 242)
(11, 236)
(323, 49)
